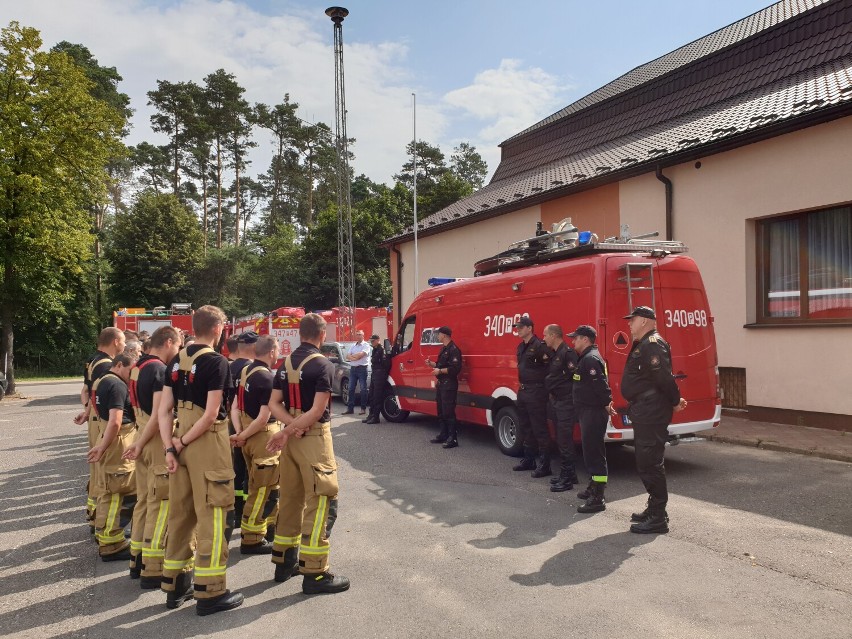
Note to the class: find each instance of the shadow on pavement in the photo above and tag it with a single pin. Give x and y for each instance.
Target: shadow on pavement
(57, 400)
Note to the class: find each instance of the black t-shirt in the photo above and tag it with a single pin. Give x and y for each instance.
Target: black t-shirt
(98, 371)
(152, 377)
(317, 376)
(112, 393)
(211, 373)
(257, 390)
(236, 367)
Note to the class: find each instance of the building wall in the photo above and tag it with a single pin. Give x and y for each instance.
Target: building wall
(800, 369)
(596, 210)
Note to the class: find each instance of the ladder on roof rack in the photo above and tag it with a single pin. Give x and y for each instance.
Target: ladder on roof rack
(634, 272)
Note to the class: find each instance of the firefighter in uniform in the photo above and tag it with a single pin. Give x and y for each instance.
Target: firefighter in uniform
(593, 403)
(533, 363)
(200, 463)
(379, 366)
(255, 425)
(243, 356)
(650, 388)
(148, 533)
(301, 394)
(114, 416)
(446, 371)
(110, 343)
(559, 382)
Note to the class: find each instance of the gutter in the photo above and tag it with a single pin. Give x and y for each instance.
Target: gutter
(398, 313)
(662, 178)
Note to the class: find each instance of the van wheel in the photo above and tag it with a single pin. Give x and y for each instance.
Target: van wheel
(344, 390)
(391, 410)
(506, 432)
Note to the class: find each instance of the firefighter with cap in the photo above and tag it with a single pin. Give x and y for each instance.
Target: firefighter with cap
(559, 382)
(112, 412)
(652, 392)
(255, 425)
(148, 531)
(201, 480)
(301, 393)
(379, 367)
(533, 363)
(593, 403)
(111, 342)
(243, 356)
(446, 371)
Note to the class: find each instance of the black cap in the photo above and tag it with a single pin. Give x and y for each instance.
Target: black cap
(249, 337)
(374, 336)
(586, 331)
(524, 321)
(446, 330)
(642, 311)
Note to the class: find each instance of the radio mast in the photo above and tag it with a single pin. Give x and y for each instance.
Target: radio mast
(345, 263)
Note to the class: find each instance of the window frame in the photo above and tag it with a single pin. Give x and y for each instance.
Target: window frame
(762, 263)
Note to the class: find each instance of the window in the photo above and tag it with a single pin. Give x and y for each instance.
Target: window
(805, 263)
(405, 337)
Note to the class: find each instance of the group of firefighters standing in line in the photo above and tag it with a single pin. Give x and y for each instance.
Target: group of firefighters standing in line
(159, 429)
(158, 426)
(570, 385)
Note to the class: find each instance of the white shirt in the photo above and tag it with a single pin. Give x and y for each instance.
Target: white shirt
(363, 347)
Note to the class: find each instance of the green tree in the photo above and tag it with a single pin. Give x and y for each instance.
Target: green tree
(175, 111)
(56, 140)
(152, 162)
(226, 278)
(468, 165)
(153, 249)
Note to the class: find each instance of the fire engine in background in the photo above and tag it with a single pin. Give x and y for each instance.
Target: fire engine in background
(566, 278)
(138, 319)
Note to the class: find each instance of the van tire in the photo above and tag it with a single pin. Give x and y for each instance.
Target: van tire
(506, 431)
(390, 408)
(344, 390)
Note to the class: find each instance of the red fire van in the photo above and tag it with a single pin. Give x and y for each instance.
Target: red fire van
(595, 283)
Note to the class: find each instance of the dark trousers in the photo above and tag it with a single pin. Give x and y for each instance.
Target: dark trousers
(377, 391)
(446, 393)
(241, 477)
(593, 421)
(532, 420)
(650, 446)
(563, 416)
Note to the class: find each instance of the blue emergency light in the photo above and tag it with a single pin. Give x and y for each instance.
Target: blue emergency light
(437, 281)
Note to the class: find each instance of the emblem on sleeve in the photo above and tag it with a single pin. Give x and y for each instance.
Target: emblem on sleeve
(655, 361)
(592, 371)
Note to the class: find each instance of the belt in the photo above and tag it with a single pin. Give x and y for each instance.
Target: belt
(646, 394)
(531, 385)
(318, 429)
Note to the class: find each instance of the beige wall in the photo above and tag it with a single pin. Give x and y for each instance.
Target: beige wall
(714, 207)
(453, 253)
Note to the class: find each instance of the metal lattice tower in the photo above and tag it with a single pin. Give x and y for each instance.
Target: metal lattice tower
(345, 263)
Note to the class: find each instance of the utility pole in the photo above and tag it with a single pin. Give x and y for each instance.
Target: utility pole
(416, 256)
(345, 263)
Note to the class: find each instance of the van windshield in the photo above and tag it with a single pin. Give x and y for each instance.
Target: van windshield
(405, 337)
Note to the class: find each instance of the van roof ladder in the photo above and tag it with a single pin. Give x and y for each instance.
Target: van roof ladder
(642, 273)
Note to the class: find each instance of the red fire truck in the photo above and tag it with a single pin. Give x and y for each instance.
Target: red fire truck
(562, 281)
(178, 315)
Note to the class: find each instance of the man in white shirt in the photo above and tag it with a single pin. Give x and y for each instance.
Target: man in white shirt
(358, 358)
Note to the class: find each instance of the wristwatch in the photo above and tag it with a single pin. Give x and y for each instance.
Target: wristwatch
(172, 450)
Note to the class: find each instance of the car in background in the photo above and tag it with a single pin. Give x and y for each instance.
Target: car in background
(336, 354)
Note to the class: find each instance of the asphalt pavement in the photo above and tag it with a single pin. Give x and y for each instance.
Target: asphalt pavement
(452, 543)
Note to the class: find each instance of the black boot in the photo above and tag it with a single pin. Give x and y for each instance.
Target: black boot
(452, 442)
(453, 438)
(542, 467)
(373, 419)
(443, 436)
(262, 548)
(587, 491)
(324, 583)
(149, 583)
(528, 462)
(121, 555)
(226, 601)
(290, 567)
(564, 482)
(654, 523)
(136, 567)
(182, 592)
(641, 516)
(270, 533)
(595, 503)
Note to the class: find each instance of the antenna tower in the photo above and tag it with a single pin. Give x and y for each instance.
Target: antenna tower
(345, 263)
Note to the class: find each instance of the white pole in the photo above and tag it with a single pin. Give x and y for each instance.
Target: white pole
(414, 148)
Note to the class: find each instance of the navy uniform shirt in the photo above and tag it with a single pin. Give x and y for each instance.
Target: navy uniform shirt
(450, 358)
(533, 361)
(560, 374)
(591, 386)
(647, 382)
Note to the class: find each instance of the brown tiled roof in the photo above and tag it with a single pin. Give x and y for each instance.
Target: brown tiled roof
(796, 73)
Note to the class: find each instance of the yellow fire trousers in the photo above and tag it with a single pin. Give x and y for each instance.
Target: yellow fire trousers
(261, 508)
(115, 480)
(201, 509)
(94, 432)
(308, 476)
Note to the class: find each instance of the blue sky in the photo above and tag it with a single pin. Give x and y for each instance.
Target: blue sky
(482, 71)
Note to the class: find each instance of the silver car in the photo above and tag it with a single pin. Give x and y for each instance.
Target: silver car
(336, 354)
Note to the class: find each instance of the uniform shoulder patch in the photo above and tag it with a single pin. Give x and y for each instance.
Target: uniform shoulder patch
(652, 338)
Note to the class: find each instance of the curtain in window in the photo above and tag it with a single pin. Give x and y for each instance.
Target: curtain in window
(830, 263)
(783, 273)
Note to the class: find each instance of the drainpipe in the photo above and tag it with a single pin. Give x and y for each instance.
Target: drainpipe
(662, 178)
(398, 309)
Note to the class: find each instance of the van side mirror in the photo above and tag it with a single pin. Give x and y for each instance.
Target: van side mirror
(387, 346)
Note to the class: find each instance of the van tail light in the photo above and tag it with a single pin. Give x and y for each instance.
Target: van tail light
(718, 386)
(613, 435)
